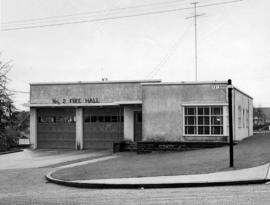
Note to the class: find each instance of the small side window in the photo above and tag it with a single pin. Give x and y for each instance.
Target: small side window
(93, 118)
(87, 119)
(114, 118)
(107, 118)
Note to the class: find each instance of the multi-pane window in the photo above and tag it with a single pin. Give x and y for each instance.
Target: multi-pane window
(247, 118)
(203, 120)
(243, 118)
(239, 116)
(57, 119)
(103, 118)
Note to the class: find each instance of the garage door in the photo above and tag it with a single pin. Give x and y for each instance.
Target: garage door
(102, 127)
(56, 128)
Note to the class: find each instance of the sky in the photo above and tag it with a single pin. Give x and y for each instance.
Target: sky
(233, 42)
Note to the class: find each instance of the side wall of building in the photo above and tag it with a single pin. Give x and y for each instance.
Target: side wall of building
(163, 107)
(243, 115)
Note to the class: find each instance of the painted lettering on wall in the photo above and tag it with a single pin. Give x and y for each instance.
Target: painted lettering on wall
(74, 100)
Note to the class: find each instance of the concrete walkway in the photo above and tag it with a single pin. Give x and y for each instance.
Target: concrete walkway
(253, 175)
(42, 158)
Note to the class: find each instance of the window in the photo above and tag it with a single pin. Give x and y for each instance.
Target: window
(139, 117)
(93, 118)
(239, 116)
(115, 118)
(42, 119)
(203, 120)
(190, 120)
(243, 118)
(70, 119)
(53, 119)
(107, 118)
(103, 119)
(58, 119)
(247, 118)
(46, 119)
(87, 119)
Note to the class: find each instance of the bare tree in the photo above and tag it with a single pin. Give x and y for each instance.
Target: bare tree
(6, 104)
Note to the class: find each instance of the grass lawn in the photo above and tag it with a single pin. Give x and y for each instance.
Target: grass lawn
(251, 152)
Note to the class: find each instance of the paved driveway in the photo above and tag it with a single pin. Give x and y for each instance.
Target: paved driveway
(42, 158)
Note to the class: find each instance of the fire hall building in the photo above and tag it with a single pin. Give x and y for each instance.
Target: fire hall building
(94, 115)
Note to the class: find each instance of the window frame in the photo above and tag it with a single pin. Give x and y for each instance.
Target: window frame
(247, 118)
(244, 121)
(210, 117)
(103, 118)
(239, 116)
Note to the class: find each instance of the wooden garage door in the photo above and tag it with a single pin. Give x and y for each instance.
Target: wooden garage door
(102, 127)
(56, 128)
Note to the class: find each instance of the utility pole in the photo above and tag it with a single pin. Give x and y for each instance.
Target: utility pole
(195, 29)
(195, 15)
(230, 87)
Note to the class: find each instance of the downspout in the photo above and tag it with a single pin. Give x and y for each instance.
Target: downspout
(248, 119)
(234, 131)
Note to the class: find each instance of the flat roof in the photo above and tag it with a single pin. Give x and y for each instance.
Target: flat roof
(187, 83)
(117, 103)
(196, 83)
(155, 82)
(96, 82)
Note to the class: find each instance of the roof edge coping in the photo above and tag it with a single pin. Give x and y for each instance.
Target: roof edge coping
(96, 82)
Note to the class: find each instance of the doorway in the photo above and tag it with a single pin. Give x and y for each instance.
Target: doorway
(137, 126)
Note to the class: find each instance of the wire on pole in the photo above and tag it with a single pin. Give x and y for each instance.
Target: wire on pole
(97, 18)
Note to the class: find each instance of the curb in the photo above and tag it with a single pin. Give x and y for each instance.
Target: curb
(150, 186)
(109, 185)
(12, 151)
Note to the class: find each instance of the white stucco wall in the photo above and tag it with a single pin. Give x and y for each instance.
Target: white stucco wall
(33, 128)
(163, 107)
(243, 129)
(129, 122)
(79, 128)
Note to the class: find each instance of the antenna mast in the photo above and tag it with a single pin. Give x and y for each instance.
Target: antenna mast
(196, 41)
(195, 15)
(195, 29)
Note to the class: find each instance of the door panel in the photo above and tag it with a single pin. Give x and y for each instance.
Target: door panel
(102, 127)
(56, 128)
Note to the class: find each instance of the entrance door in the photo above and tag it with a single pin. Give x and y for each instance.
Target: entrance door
(137, 126)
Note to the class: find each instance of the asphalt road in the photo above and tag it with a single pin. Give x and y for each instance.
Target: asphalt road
(28, 186)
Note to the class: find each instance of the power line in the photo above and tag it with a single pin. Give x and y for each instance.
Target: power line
(93, 12)
(97, 19)
(101, 11)
(214, 4)
(116, 17)
(18, 91)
